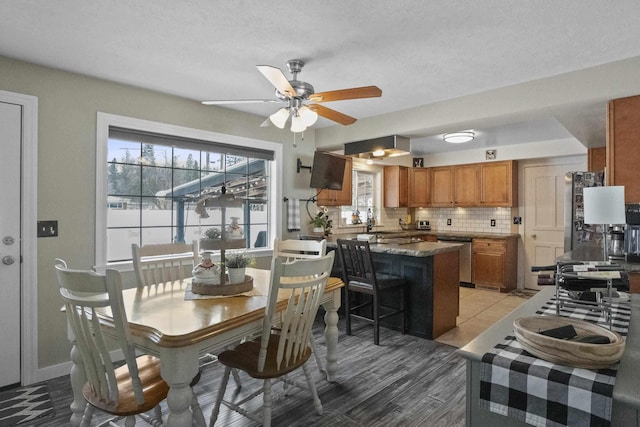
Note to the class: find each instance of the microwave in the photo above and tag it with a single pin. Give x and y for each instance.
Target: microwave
(422, 225)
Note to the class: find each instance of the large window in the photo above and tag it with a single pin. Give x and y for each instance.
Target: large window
(155, 185)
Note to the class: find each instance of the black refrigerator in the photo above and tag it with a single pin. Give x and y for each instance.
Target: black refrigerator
(576, 232)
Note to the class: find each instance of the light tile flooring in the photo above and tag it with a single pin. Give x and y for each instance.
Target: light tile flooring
(479, 309)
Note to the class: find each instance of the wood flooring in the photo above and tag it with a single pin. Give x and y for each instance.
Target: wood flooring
(405, 381)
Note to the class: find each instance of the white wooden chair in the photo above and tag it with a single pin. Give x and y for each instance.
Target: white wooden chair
(160, 263)
(129, 390)
(277, 353)
(302, 249)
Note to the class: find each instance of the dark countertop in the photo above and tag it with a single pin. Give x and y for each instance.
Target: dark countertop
(412, 233)
(418, 249)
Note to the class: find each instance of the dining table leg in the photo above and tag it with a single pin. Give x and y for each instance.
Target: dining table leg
(331, 334)
(178, 367)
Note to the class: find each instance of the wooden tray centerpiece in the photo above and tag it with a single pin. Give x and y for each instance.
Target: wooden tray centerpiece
(223, 289)
(568, 352)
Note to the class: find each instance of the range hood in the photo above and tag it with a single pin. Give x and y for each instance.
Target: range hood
(386, 146)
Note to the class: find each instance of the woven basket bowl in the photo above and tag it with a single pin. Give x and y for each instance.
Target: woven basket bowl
(565, 352)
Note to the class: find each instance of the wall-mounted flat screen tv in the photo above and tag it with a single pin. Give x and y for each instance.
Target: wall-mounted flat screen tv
(327, 171)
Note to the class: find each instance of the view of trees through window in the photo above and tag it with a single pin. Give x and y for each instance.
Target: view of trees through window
(363, 196)
(154, 190)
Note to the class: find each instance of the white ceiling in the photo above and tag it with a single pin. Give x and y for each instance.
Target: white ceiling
(417, 52)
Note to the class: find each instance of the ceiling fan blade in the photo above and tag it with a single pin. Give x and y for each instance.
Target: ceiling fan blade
(266, 123)
(330, 114)
(240, 101)
(344, 94)
(278, 79)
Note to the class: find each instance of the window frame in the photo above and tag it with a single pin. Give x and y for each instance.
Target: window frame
(377, 199)
(106, 120)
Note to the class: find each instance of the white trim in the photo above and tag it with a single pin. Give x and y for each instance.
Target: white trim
(105, 120)
(29, 249)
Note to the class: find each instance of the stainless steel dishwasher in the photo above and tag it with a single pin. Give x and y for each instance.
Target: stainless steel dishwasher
(465, 255)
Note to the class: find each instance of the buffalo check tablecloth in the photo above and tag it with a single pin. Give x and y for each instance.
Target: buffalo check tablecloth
(514, 383)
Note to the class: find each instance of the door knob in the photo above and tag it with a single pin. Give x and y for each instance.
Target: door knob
(533, 236)
(8, 260)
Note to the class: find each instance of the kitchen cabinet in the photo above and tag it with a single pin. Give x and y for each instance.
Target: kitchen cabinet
(634, 283)
(596, 159)
(466, 192)
(442, 183)
(419, 187)
(494, 263)
(623, 145)
(338, 197)
(499, 184)
(396, 188)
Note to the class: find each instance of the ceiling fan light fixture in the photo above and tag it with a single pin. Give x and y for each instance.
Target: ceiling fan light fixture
(297, 124)
(458, 137)
(308, 116)
(279, 118)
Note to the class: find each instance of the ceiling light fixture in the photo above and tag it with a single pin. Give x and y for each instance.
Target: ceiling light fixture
(458, 137)
(378, 153)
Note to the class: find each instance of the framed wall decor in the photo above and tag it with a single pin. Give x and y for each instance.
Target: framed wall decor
(418, 162)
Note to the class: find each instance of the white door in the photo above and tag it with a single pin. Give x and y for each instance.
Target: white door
(10, 143)
(544, 215)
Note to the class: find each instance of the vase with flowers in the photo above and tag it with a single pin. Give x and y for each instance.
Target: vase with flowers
(236, 264)
(320, 223)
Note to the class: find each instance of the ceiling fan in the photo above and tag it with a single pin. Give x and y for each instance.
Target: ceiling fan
(296, 92)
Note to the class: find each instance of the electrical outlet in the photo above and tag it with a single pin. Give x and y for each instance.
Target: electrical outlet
(47, 228)
(493, 222)
(517, 220)
(448, 221)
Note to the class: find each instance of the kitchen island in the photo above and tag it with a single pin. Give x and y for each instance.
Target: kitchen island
(626, 395)
(431, 271)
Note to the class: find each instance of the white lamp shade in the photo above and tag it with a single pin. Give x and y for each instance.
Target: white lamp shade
(604, 205)
(307, 115)
(279, 118)
(297, 124)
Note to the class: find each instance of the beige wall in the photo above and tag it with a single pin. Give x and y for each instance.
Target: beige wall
(68, 104)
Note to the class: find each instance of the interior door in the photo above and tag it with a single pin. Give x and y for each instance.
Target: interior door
(544, 215)
(10, 141)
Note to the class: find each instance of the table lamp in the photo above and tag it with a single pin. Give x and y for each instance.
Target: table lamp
(604, 205)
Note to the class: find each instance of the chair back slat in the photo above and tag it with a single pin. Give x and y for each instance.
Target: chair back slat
(305, 280)
(297, 249)
(162, 263)
(357, 262)
(83, 292)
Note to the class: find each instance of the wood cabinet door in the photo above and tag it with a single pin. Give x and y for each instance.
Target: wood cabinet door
(339, 197)
(623, 146)
(466, 185)
(396, 190)
(498, 184)
(442, 186)
(488, 269)
(419, 180)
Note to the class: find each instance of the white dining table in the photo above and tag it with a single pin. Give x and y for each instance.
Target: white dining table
(179, 330)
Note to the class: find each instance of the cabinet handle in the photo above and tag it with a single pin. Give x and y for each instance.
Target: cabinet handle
(533, 236)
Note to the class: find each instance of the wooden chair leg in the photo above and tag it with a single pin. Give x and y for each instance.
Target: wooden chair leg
(347, 310)
(198, 416)
(223, 388)
(312, 388)
(376, 320)
(267, 403)
(314, 349)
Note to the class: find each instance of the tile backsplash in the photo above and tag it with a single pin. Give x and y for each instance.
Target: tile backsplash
(467, 219)
(462, 219)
